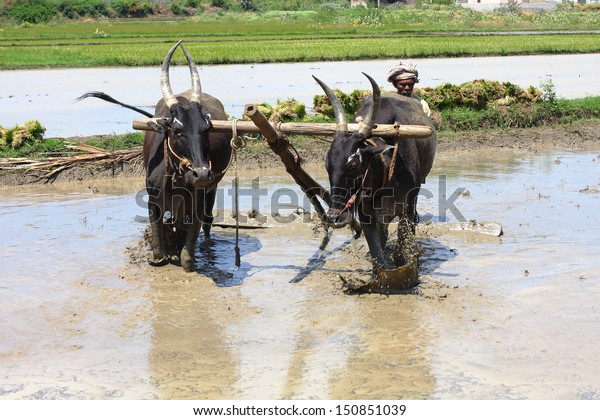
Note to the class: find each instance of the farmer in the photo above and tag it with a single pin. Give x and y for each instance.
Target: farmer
(403, 77)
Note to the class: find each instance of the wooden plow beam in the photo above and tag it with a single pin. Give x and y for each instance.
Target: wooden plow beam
(394, 131)
(292, 163)
(275, 134)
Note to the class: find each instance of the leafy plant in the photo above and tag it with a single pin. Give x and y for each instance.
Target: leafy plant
(73, 9)
(32, 11)
(548, 91)
(131, 8)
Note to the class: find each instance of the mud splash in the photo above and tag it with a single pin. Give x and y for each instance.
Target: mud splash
(84, 316)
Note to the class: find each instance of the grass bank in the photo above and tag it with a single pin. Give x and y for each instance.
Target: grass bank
(451, 121)
(292, 36)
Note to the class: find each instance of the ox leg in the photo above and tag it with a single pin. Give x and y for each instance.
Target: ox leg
(207, 215)
(193, 222)
(188, 253)
(382, 231)
(174, 240)
(156, 238)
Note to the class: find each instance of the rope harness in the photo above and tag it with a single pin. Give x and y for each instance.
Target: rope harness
(354, 196)
(236, 143)
(387, 178)
(184, 163)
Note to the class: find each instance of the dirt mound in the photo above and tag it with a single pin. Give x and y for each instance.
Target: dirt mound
(574, 137)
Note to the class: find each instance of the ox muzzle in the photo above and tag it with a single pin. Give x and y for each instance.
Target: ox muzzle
(338, 216)
(199, 176)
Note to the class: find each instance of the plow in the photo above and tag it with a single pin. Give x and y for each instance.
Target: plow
(391, 162)
(275, 133)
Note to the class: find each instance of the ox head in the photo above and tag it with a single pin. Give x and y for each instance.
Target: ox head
(348, 157)
(187, 128)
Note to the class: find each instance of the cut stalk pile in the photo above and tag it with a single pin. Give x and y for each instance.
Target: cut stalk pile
(51, 166)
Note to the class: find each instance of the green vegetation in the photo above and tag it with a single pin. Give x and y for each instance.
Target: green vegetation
(88, 33)
(228, 31)
(471, 106)
(44, 148)
(229, 51)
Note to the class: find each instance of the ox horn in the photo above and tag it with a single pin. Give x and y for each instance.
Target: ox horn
(196, 95)
(369, 121)
(338, 110)
(165, 84)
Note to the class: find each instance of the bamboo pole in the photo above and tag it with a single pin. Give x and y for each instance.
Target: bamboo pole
(311, 129)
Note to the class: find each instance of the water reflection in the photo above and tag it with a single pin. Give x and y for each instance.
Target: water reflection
(515, 318)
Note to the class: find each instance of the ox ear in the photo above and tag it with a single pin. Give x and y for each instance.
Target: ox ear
(160, 125)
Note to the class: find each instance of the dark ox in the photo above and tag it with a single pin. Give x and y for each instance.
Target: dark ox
(377, 179)
(184, 162)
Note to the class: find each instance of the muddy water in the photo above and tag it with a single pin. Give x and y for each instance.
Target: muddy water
(83, 316)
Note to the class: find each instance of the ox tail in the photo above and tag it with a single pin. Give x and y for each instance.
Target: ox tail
(107, 98)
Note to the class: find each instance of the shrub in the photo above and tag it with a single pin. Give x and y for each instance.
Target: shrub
(510, 8)
(32, 11)
(179, 8)
(131, 8)
(223, 4)
(73, 9)
(548, 91)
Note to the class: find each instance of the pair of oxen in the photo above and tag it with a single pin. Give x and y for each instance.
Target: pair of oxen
(370, 178)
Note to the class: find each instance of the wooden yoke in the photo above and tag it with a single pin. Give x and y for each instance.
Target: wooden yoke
(386, 131)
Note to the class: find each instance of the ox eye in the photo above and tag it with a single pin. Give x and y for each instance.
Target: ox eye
(354, 160)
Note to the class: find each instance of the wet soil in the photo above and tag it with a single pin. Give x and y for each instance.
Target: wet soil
(511, 317)
(573, 137)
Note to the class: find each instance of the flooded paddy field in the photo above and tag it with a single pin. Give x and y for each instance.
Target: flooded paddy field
(49, 95)
(510, 317)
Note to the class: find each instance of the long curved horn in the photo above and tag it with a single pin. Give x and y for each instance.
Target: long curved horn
(338, 110)
(165, 84)
(196, 95)
(369, 120)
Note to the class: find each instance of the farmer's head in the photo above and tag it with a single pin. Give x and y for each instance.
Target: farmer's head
(403, 77)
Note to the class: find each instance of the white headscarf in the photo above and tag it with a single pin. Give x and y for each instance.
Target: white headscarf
(403, 71)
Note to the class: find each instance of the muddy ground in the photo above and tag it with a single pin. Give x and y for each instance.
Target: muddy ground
(572, 137)
(511, 317)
